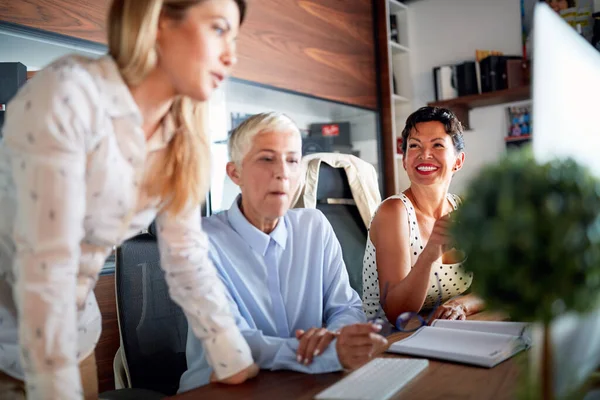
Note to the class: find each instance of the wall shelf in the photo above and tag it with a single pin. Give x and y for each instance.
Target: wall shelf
(398, 48)
(512, 139)
(462, 105)
(400, 99)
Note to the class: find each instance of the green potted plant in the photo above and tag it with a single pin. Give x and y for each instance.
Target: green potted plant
(532, 235)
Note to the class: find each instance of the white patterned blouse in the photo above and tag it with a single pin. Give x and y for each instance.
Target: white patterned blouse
(454, 280)
(72, 161)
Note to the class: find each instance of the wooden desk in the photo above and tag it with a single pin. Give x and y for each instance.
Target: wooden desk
(441, 380)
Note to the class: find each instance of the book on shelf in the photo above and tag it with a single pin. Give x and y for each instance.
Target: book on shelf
(480, 343)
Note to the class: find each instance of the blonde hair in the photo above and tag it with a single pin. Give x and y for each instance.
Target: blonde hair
(240, 140)
(182, 177)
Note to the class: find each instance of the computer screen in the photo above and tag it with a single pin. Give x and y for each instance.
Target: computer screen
(566, 123)
(566, 92)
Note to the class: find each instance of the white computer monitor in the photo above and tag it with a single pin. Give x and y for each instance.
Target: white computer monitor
(566, 123)
(566, 92)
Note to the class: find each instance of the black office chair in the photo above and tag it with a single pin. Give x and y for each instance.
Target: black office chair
(153, 328)
(334, 199)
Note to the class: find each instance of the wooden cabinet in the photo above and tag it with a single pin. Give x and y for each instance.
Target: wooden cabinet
(83, 19)
(322, 48)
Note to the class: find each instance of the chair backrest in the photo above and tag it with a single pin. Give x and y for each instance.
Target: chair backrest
(153, 328)
(334, 199)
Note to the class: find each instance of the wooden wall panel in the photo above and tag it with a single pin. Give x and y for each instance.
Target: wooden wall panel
(323, 48)
(109, 340)
(83, 19)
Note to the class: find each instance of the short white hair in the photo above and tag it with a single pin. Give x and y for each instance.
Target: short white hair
(240, 140)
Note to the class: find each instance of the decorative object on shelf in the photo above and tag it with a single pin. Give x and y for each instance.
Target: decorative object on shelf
(339, 131)
(481, 54)
(337, 135)
(519, 121)
(532, 235)
(394, 28)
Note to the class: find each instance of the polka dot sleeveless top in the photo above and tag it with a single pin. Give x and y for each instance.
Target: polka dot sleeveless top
(454, 280)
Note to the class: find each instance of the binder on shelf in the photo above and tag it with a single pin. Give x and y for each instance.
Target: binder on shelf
(493, 73)
(444, 78)
(466, 78)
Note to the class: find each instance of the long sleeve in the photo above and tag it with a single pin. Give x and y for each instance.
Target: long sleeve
(196, 288)
(342, 305)
(311, 279)
(276, 353)
(269, 352)
(45, 137)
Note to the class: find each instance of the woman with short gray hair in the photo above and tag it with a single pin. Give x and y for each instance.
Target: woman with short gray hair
(284, 268)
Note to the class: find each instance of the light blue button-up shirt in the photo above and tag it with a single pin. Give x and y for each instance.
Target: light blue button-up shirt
(294, 278)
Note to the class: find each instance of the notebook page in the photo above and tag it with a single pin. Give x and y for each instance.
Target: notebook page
(478, 348)
(503, 327)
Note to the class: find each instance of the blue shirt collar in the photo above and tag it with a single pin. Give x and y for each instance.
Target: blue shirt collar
(257, 239)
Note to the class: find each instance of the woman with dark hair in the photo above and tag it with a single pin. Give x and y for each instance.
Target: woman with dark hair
(408, 264)
(93, 151)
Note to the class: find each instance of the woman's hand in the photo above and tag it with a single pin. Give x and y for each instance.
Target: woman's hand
(238, 378)
(451, 309)
(439, 241)
(312, 343)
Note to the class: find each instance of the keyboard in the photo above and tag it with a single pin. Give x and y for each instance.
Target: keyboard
(379, 379)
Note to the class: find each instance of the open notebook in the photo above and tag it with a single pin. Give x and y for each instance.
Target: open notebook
(481, 343)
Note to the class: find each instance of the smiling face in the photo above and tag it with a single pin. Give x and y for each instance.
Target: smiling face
(268, 175)
(430, 156)
(197, 53)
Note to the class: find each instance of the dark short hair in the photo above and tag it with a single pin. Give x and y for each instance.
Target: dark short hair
(446, 117)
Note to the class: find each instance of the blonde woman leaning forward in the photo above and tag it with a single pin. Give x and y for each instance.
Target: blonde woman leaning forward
(408, 263)
(93, 151)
